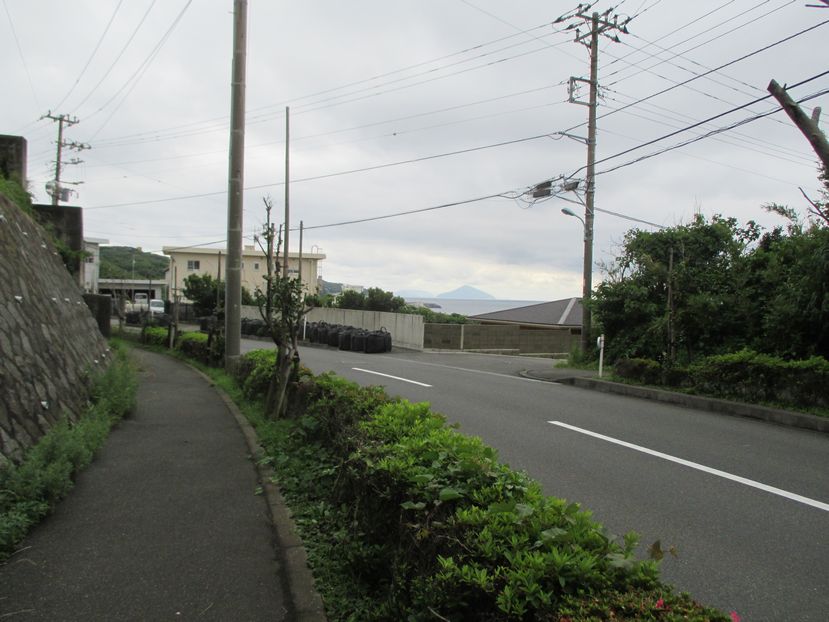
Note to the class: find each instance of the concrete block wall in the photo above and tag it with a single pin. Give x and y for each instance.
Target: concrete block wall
(406, 330)
(492, 337)
(548, 341)
(49, 340)
(442, 336)
(479, 337)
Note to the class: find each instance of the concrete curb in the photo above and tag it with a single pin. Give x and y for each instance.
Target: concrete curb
(307, 605)
(710, 404)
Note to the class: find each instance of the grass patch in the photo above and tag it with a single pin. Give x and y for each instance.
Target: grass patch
(29, 490)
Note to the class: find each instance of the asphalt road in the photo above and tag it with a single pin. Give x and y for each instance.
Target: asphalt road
(747, 510)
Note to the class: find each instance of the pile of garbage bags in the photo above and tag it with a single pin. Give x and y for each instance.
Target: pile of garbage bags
(349, 338)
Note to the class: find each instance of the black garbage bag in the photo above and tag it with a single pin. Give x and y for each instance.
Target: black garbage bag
(358, 340)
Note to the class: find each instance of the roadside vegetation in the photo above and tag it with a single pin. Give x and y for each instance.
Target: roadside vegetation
(723, 310)
(404, 518)
(30, 489)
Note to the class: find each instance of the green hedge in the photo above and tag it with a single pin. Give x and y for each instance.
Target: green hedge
(754, 377)
(195, 345)
(746, 376)
(255, 371)
(30, 489)
(639, 370)
(155, 336)
(407, 519)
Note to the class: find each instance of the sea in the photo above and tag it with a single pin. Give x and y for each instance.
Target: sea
(470, 307)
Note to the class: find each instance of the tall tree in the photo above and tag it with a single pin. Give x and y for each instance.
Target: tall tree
(702, 266)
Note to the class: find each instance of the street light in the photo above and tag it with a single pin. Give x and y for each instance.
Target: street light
(568, 212)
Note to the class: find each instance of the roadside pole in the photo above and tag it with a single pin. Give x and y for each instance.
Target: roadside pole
(233, 281)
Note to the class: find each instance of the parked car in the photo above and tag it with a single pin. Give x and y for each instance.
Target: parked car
(156, 307)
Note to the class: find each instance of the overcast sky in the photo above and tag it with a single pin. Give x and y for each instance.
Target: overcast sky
(377, 84)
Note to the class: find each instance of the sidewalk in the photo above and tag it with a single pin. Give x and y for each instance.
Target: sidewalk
(163, 525)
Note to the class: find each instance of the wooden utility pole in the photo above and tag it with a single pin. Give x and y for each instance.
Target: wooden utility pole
(233, 281)
(806, 124)
(600, 24)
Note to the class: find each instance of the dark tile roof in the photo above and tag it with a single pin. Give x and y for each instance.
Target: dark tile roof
(565, 312)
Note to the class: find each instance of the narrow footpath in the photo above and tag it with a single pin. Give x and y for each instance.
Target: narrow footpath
(163, 525)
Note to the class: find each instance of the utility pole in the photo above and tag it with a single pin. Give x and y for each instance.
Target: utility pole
(301, 231)
(600, 25)
(233, 281)
(807, 125)
(63, 120)
(287, 188)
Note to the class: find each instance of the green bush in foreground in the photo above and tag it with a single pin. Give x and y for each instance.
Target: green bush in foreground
(406, 519)
(29, 490)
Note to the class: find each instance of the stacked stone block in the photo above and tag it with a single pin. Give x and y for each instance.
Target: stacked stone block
(50, 345)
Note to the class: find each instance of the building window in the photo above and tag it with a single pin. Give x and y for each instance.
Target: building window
(256, 265)
(192, 264)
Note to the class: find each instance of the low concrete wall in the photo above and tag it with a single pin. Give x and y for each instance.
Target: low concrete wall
(442, 336)
(502, 338)
(406, 330)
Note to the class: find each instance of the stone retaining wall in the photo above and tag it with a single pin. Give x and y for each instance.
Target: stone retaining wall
(49, 341)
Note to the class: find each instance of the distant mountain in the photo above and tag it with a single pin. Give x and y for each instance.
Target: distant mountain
(413, 293)
(122, 262)
(467, 292)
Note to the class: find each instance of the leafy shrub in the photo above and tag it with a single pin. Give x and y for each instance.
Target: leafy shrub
(195, 345)
(254, 373)
(755, 377)
(30, 489)
(645, 371)
(410, 520)
(155, 336)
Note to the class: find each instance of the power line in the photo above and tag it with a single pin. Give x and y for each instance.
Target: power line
(724, 65)
(744, 140)
(118, 57)
(91, 56)
(707, 135)
(504, 195)
(20, 52)
(142, 69)
(336, 174)
(699, 34)
(251, 112)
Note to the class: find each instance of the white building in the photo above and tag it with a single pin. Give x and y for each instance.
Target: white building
(213, 261)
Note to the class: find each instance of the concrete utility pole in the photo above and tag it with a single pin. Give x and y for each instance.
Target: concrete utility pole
(599, 25)
(63, 120)
(233, 281)
(287, 187)
(807, 125)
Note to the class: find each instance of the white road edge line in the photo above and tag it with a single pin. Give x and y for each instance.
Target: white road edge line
(377, 373)
(700, 467)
